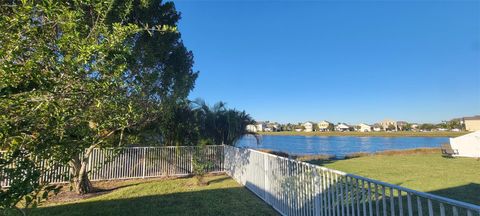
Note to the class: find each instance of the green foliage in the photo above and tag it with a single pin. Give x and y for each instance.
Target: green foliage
(30, 185)
(427, 127)
(221, 124)
(391, 127)
(76, 75)
(331, 127)
(201, 164)
(454, 124)
(190, 123)
(315, 127)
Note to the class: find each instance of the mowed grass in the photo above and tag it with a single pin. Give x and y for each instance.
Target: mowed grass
(456, 178)
(369, 134)
(223, 196)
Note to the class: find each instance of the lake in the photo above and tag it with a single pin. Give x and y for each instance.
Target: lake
(338, 145)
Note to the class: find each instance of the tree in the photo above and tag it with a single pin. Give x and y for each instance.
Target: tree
(407, 127)
(391, 127)
(315, 127)
(331, 127)
(220, 124)
(427, 127)
(79, 75)
(454, 124)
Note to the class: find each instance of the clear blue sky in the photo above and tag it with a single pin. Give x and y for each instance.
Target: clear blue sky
(355, 61)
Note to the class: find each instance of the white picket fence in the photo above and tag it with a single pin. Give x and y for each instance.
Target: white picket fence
(134, 162)
(296, 188)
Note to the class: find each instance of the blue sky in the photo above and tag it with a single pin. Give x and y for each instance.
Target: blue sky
(355, 61)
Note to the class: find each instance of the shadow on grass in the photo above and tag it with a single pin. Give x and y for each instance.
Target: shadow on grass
(219, 180)
(231, 201)
(320, 162)
(469, 193)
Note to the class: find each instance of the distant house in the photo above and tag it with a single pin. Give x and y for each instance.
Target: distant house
(251, 128)
(325, 125)
(342, 127)
(388, 123)
(401, 125)
(364, 127)
(414, 126)
(377, 127)
(308, 126)
(472, 123)
(273, 127)
(298, 129)
(467, 145)
(261, 126)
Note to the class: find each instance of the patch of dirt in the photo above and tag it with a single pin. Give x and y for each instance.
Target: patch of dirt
(71, 196)
(105, 187)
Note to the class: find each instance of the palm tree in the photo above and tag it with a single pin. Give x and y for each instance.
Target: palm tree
(220, 124)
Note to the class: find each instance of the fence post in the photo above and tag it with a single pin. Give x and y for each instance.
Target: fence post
(144, 161)
(89, 167)
(316, 185)
(267, 182)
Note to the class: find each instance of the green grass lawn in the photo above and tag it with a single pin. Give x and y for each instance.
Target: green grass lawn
(223, 196)
(457, 178)
(369, 134)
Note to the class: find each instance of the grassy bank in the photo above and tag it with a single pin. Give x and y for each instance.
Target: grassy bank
(457, 178)
(223, 196)
(369, 134)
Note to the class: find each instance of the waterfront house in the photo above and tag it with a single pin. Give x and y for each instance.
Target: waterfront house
(401, 125)
(261, 126)
(388, 123)
(273, 126)
(251, 128)
(472, 123)
(414, 126)
(308, 126)
(325, 126)
(364, 127)
(342, 127)
(377, 127)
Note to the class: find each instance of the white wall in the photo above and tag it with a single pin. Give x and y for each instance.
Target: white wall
(467, 145)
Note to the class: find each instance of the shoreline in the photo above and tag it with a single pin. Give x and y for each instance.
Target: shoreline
(329, 157)
(369, 134)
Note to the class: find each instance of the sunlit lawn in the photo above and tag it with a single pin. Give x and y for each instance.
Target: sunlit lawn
(223, 196)
(457, 178)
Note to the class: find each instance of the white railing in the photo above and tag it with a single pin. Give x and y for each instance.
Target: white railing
(134, 162)
(297, 188)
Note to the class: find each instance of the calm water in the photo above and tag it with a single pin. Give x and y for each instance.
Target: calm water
(337, 145)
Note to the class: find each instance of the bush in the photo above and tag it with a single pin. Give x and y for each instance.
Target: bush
(201, 165)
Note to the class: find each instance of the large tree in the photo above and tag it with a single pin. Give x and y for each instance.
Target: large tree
(79, 74)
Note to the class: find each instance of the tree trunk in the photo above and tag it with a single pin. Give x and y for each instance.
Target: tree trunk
(81, 182)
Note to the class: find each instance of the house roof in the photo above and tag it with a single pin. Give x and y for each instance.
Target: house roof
(364, 125)
(343, 125)
(477, 117)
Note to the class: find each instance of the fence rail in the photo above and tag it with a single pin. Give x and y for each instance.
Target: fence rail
(297, 188)
(133, 162)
